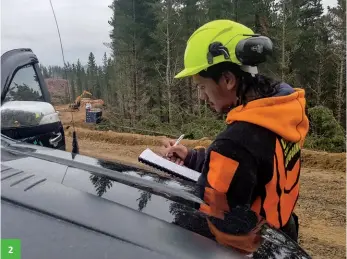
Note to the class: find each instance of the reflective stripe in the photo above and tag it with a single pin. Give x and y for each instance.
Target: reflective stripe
(221, 171)
(283, 189)
(288, 202)
(293, 177)
(271, 199)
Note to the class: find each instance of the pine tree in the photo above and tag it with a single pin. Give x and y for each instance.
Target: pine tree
(337, 24)
(285, 34)
(44, 71)
(111, 96)
(79, 77)
(92, 75)
(132, 24)
(219, 9)
(148, 40)
(192, 15)
(99, 89)
(105, 78)
(167, 31)
(104, 62)
(307, 58)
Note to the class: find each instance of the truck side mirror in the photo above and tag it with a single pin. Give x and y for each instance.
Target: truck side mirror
(32, 122)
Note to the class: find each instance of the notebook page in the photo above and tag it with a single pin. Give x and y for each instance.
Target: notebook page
(151, 157)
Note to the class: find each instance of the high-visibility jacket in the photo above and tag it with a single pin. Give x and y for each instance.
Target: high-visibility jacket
(255, 161)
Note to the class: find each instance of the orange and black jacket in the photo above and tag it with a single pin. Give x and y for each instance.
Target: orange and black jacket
(255, 161)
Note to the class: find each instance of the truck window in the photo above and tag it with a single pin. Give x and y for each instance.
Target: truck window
(25, 86)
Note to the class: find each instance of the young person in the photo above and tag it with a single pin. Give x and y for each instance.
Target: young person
(255, 161)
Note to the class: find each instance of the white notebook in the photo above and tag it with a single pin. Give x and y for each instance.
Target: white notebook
(150, 158)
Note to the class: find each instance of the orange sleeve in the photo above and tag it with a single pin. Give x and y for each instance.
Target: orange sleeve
(233, 171)
(231, 179)
(221, 171)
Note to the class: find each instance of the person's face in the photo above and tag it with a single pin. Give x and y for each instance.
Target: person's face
(219, 96)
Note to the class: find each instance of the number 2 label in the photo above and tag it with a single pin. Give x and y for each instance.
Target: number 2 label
(10, 249)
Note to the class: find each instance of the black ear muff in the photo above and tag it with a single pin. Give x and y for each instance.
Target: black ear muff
(253, 51)
(216, 49)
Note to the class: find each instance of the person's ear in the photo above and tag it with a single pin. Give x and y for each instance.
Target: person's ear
(230, 80)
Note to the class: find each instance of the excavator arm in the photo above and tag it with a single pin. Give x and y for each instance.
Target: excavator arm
(86, 92)
(78, 99)
(77, 102)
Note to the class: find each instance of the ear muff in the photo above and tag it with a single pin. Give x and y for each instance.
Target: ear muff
(254, 50)
(250, 52)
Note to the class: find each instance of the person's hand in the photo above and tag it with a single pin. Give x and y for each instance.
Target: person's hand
(176, 154)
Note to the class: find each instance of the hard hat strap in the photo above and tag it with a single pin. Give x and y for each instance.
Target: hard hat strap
(216, 49)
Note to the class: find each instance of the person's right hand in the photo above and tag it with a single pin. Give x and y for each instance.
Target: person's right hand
(176, 154)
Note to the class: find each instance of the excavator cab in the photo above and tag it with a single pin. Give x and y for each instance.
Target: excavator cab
(76, 105)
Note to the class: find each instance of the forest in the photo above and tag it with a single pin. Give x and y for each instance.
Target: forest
(147, 43)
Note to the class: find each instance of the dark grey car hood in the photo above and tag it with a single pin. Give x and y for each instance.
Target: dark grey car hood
(149, 192)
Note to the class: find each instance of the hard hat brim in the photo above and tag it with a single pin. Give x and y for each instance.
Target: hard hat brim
(190, 71)
(183, 73)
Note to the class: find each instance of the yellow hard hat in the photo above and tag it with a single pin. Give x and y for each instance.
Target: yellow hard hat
(213, 43)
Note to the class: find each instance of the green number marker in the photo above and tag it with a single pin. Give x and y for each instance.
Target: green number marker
(10, 249)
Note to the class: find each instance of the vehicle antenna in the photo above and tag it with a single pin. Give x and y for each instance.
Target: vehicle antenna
(75, 149)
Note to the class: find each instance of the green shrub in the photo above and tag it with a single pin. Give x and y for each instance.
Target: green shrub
(325, 132)
(150, 122)
(203, 127)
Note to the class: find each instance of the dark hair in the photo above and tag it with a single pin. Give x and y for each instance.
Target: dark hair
(262, 85)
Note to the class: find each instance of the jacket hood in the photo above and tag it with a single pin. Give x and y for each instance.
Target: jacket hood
(283, 114)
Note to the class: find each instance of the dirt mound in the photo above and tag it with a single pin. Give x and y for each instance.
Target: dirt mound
(79, 116)
(324, 160)
(129, 138)
(58, 89)
(92, 102)
(311, 159)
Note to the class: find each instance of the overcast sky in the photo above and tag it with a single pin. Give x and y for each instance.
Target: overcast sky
(83, 26)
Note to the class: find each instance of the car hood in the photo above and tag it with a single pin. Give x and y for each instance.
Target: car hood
(149, 191)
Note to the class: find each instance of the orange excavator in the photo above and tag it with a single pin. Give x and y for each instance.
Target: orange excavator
(76, 105)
